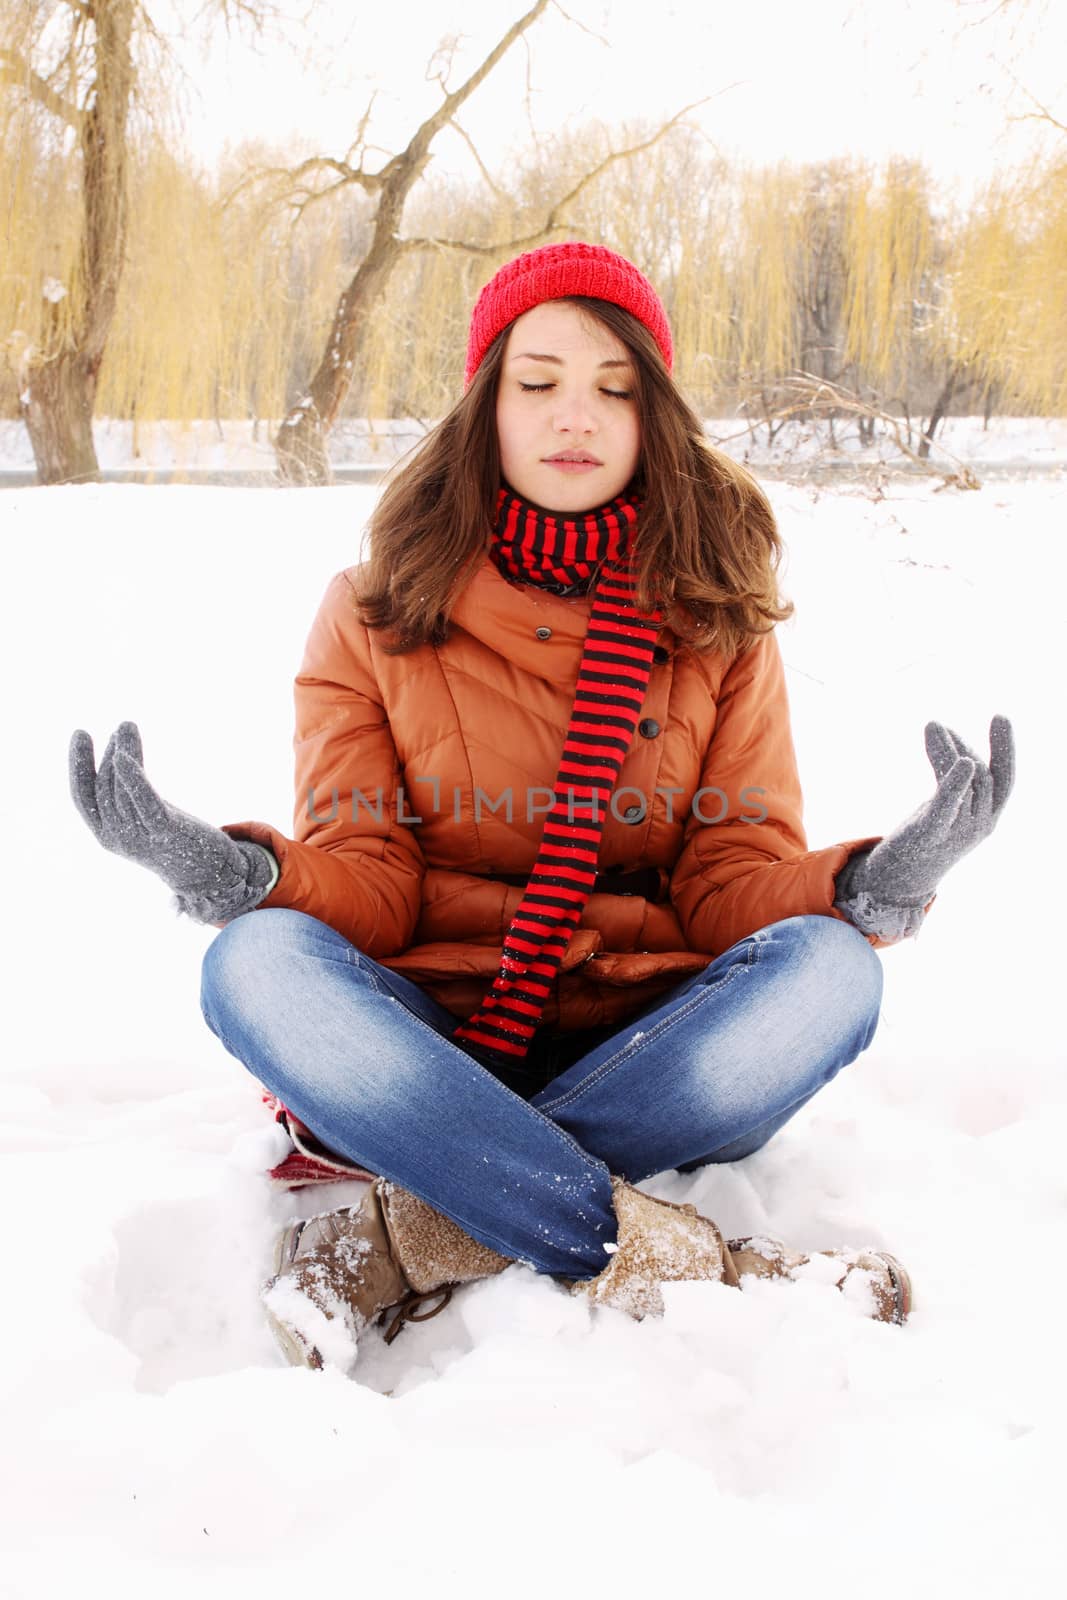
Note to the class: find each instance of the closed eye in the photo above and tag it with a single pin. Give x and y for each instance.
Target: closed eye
(539, 388)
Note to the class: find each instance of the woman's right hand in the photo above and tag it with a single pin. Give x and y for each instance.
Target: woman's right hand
(214, 877)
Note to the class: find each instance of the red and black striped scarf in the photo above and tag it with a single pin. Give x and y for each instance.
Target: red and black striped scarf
(559, 551)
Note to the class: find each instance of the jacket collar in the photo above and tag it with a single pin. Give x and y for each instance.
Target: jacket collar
(505, 617)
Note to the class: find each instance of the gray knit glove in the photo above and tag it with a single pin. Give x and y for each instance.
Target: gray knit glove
(883, 890)
(215, 878)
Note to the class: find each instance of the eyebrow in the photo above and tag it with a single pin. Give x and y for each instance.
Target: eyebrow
(531, 355)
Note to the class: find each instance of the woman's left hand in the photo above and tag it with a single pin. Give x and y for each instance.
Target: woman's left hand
(905, 868)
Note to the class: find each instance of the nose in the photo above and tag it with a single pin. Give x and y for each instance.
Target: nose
(574, 414)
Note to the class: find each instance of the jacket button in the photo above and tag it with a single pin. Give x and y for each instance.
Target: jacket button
(543, 633)
(661, 655)
(634, 814)
(648, 727)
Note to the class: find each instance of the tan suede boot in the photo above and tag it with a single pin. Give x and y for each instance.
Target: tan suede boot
(888, 1280)
(662, 1242)
(339, 1270)
(659, 1242)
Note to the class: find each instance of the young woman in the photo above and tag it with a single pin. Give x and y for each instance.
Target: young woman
(548, 923)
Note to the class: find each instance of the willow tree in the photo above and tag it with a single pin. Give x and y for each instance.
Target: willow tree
(894, 245)
(890, 241)
(72, 75)
(71, 66)
(300, 445)
(669, 212)
(301, 441)
(411, 351)
(817, 271)
(218, 306)
(1002, 314)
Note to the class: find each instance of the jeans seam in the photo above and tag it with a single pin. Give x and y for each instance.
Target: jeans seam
(358, 958)
(594, 1164)
(561, 1133)
(700, 993)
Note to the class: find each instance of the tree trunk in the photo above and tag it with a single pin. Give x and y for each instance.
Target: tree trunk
(57, 408)
(957, 382)
(300, 447)
(992, 395)
(300, 443)
(937, 415)
(59, 383)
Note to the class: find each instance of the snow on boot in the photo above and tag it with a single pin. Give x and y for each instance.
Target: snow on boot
(888, 1281)
(659, 1242)
(338, 1271)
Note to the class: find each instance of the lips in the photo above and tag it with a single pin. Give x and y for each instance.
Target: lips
(581, 456)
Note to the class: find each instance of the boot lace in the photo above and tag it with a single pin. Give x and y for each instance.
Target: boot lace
(407, 1310)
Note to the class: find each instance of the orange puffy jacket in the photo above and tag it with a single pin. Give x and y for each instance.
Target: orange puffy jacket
(466, 738)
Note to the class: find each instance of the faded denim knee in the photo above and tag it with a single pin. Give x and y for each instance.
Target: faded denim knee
(247, 960)
(834, 957)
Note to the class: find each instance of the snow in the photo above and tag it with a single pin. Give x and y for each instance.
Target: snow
(772, 1440)
(233, 445)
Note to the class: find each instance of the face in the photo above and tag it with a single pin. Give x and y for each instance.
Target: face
(566, 388)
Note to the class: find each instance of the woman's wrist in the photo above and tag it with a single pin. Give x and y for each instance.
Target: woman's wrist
(232, 893)
(887, 922)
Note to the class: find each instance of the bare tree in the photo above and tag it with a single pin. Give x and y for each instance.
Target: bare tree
(78, 68)
(300, 444)
(809, 397)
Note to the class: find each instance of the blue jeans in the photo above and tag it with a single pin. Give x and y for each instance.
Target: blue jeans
(707, 1072)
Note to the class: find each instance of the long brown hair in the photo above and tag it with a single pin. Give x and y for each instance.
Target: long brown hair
(707, 547)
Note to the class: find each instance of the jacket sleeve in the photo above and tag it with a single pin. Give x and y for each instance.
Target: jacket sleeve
(745, 862)
(351, 862)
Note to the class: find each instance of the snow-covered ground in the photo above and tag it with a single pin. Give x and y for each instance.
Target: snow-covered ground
(246, 447)
(769, 1442)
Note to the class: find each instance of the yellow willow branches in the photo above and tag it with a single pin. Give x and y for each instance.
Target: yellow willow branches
(863, 277)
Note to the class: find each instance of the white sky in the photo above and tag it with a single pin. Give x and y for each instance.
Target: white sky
(925, 77)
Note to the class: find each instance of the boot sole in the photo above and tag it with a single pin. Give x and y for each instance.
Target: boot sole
(901, 1281)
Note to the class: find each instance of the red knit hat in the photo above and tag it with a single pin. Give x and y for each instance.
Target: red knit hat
(556, 270)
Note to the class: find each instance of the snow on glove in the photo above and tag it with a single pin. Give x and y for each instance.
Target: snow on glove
(214, 877)
(884, 890)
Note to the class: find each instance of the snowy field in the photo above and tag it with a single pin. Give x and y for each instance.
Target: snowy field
(765, 1443)
(236, 446)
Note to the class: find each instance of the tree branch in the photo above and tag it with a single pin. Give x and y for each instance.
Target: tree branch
(1001, 5)
(599, 37)
(255, 13)
(17, 71)
(1042, 114)
(311, 198)
(489, 180)
(413, 157)
(424, 136)
(293, 176)
(361, 133)
(823, 396)
(552, 222)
